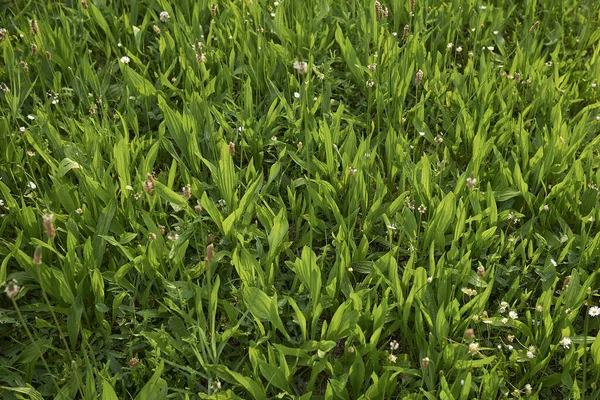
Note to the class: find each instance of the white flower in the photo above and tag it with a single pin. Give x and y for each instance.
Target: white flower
(528, 389)
(394, 345)
(483, 7)
(565, 342)
(429, 279)
(297, 95)
(22, 129)
(530, 354)
(370, 83)
(394, 33)
(490, 48)
(495, 32)
(513, 315)
(459, 49)
(510, 347)
(422, 133)
(164, 16)
(553, 262)
(276, 3)
(125, 60)
(504, 320)
(119, 44)
(449, 45)
(30, 117)
(1, 203)
(473, 348)
(393, 358)
(32, 185)
(594, 311)
(273, 15)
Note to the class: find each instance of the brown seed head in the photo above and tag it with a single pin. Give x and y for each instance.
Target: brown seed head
(84, 4)
(133, 362)
(48, 226)
(48, 54)
(187, 191)
(469, 333)
(231, 149)
(425, 362)
(37, 255)
(210, 253)
(34, 49)
(213, 10)
(3, 33)
(11, 289)
(534, 26)
(34, 27)
(481, 271)
(418, 77)
(198, 208)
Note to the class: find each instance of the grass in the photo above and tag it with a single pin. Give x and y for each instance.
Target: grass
(190, 211)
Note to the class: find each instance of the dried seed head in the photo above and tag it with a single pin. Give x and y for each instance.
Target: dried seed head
(34, 50)
(517, 77)
(200, 58)
(212, 237)
(213, 10)
(152, 236)
(405, 32)
(567, 281)
(133, 362)
(231, 149)
(3, 33)
(210, 253)
(37, 255)
(48, 54)
(425, 362)
(187, 191)
(48, 226)
(534, 26)
(4, 88)
(469, 334)
(198, 208)
(161, 229)
(156, 29)
(11, 289)
(481, 271)
(149, 187)
(300, 145)
(418, 77)
(34, 27)
(352, 171)
(84, 4)
(412, 5)
(471, 181)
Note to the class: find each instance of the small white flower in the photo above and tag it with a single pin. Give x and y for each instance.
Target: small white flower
(593, 85)
(565, 342)
(459, 49)
(164, 16)
(370, 83)
(528, 389)
(422, 133)
(119, 44)
(513, 315)
(549, 64)
(394, 345)
(276, 3)
(30, 117)
(483, 7)
(510, 347)
(393, 358)
(429, 279)
(450, 45)
(1, 203)
(125, 60)
(530, 354)
(394, 34)
(22, 129)
(273, 15)
(504, 320)
(392, 227)
(297, 95)
(473, 348)
(553, 262)
(594, 311)
(490, 48)
(495, 32)
(32, 185)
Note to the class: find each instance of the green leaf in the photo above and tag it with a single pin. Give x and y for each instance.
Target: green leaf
(108, 393)
(155, 388)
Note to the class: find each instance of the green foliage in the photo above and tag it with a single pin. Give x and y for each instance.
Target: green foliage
(318, 199)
